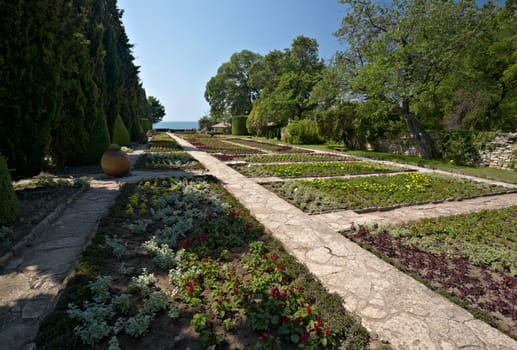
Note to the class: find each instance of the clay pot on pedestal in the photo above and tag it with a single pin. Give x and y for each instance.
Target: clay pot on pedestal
(115, 162)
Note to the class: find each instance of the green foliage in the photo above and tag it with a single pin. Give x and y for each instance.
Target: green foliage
(433, 64)
(10, 208)
(378, 191)
(284, 80)
(229, 91)
(98, 142)
(120, 133)
(303, 132)
(239, 125)
(311, 169)
(66, 70)
(29, 82)
(458, 147)
(156, 110)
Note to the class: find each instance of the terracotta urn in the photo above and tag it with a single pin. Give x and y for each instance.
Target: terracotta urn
(115, 162)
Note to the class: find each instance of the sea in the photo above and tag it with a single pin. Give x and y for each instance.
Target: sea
(183, 125)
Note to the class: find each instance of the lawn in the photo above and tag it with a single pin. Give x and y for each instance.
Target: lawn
(509, 176)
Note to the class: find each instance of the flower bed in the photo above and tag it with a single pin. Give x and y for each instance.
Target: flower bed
(269, 146)
(176, 160)
(288, 158)
(378, 191)
(180, 264)
(311, 169)
(216, 145)
(162, 142)
(471, 257)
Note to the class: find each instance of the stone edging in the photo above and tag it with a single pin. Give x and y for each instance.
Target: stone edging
(40, 227)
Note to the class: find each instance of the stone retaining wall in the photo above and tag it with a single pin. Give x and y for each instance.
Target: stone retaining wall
(501, 152)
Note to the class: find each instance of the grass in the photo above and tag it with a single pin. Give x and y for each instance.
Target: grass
(509, 176)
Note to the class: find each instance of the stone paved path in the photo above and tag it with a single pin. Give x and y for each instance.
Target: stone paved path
(396, 307)
(30, 283)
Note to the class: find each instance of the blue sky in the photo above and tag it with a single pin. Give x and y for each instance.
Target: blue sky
(179, 44)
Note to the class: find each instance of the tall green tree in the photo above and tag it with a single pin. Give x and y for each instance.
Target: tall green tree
(66, 73)
(228, 91)
(485, 98)
(156, 109)
(337, 118)
(79, 105)
(29, 75)
(284, 81)
(400, 53)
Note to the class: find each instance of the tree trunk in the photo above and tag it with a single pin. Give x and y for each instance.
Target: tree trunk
(424, 142)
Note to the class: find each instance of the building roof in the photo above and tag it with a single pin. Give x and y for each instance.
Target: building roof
(221, 125)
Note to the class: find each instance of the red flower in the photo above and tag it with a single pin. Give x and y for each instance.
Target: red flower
(326, 332)
(235, 213)
(281, 268)
(286, 319)
(309, 309)
(304, 338)
(183, 245)
(317, 329)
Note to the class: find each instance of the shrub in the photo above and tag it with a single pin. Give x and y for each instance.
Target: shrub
(120, 133)
(458, 147)
(10, 208)
(301, 132)
(239, 125)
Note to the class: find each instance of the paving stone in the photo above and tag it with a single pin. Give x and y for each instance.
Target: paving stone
(35, 308)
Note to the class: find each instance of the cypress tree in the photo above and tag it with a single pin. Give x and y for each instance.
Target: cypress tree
(29, 76)
(120, 133)
(239, 125)
(10, 208)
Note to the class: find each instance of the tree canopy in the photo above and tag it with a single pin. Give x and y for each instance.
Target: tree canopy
(156, 109)
(67, 72)
(429, 61)
(284, 81)
(228, 92)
